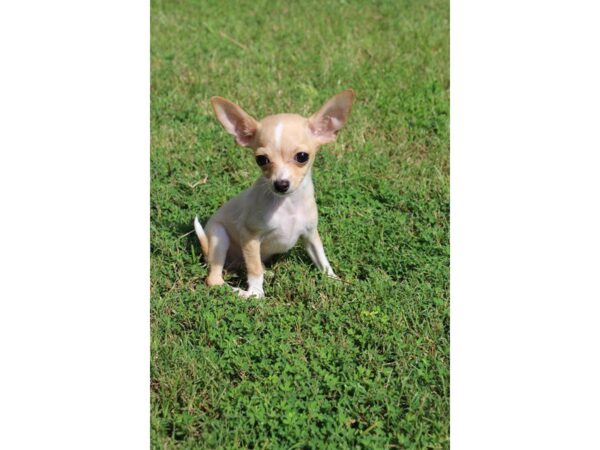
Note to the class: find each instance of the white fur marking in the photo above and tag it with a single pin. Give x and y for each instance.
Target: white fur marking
(198, 227)
(255, 287)
(278, 131)
(255, 283)
(283, 173)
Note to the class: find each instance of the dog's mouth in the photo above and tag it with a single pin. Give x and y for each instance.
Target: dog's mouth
(281, 194)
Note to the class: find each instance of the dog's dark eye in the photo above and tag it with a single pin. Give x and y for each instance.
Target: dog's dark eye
(261, 160)
(301, 157)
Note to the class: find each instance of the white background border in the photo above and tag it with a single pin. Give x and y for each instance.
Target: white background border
(74, 190)
(525, 228)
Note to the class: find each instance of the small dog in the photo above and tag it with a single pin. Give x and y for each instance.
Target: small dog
(279, 208)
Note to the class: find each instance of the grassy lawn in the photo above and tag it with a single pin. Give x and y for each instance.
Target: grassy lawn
(318, 363)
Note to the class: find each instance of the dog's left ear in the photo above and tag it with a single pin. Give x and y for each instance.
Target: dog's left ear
(332, 116)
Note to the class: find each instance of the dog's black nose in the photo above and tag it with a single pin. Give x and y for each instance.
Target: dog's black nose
(282, 185)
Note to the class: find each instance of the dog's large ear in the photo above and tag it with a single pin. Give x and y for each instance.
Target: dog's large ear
(235, 120)
(332, 116)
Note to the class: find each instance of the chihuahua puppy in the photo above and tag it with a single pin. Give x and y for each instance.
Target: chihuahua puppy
(279, 208)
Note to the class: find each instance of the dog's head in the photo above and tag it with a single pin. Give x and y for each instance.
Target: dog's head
(285, 145)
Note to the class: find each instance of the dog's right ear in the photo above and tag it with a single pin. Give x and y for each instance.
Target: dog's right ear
(235, 120)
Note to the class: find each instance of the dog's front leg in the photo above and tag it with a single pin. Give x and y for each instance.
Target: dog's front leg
(254, 267)
(314, 248)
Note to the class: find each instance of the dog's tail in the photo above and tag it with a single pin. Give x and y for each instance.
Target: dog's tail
(201, 236)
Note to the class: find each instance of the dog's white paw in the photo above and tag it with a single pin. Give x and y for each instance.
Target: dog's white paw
(331, 274)
(251, 292)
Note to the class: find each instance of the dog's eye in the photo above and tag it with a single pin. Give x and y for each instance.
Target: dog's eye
(262, 160)
(301, 157)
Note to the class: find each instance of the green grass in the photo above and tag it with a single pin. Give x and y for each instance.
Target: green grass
(318, 363)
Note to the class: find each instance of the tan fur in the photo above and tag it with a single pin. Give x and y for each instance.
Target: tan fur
(204, 245)
(215, 278)
(215, 275)
(262, 221)
(251, 252)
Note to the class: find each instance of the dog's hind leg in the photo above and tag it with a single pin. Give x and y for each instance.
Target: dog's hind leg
(218, 244)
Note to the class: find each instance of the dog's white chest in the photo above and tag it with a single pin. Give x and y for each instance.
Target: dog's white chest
(284, 229)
